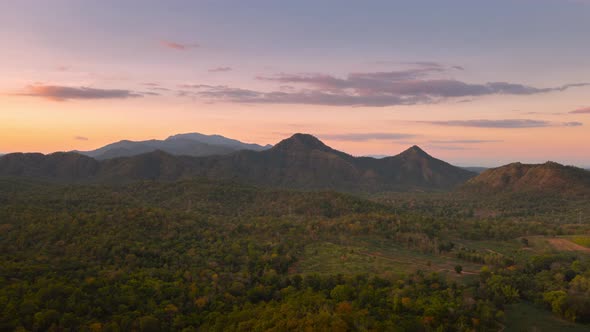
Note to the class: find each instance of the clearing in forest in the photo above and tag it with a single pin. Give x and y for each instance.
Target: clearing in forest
(567, 245)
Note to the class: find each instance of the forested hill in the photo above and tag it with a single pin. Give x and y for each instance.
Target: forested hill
(301, 161)
(548, 178)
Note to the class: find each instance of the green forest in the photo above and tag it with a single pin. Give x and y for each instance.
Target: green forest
(202, 255)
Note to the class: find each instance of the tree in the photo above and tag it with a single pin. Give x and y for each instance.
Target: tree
(149, 324)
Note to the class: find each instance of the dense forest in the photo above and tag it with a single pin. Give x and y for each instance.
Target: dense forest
(201, 255)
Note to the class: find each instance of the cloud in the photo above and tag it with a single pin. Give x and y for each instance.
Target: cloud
(372, 89)
(572, 124)
(63, 93)
(80, 138)
(420, 64)
(201, 86)
(506, 123)
(464, 141)
(151, 84)
(449, 147)
(157, 88)
(178, 46)
(308, 97)
(409, 83)
(585, 110)
(220, 69)
(362, 137)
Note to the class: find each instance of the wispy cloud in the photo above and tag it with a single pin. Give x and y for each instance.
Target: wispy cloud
(505, 123)
(409, 83)
(309, 97)
(449, 147)
(178, 46)
(420, 64)
(220, 69)
(373, 89)
(63, 93)
(81, 138)
(362, 137)
(158, 88)
(464, 141)
(585, 110)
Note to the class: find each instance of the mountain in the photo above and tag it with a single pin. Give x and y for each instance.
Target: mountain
(63, 166)
(192, 144)
(549, 177)
(218, 140)
(300, 162)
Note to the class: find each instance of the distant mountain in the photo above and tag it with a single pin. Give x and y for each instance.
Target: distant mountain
(301, 161)
(475, 169)
(192, 144)
(549, 177)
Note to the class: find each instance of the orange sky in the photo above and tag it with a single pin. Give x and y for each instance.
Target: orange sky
(461, 87)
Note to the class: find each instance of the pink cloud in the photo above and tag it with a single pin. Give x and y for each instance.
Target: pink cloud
(178, 46)
(220, 69)
(584, 110)
(63, 93)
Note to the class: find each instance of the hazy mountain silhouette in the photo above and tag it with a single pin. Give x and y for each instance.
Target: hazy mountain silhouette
(301, 161)
(192, 144)
(475, 169)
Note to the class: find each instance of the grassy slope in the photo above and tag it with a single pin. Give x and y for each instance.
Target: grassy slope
(527, 317)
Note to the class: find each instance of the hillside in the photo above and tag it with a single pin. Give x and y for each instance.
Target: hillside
(192, 144)
(301, 161)
(62, 166)
(550, 178)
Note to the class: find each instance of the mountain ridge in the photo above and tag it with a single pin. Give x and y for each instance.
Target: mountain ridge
(300, 162)
(191, 144)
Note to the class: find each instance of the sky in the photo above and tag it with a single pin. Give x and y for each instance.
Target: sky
(479, 83)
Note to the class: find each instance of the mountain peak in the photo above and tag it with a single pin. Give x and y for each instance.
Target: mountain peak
(301, 142)
(415, 150)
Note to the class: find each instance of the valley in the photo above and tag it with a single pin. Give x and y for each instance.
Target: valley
(298, 236)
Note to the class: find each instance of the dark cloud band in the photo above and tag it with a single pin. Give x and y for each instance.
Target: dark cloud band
(505, 123)
(374, 89)
(62, 93)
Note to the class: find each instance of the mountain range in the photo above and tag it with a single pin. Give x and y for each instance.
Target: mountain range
(301, 162)
(192, 144)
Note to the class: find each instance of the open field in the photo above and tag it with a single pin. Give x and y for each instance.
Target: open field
(378, 258)
(564, 244)
(527, 317)
(583, 240)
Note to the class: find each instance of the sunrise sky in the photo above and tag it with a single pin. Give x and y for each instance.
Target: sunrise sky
(478, 83)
